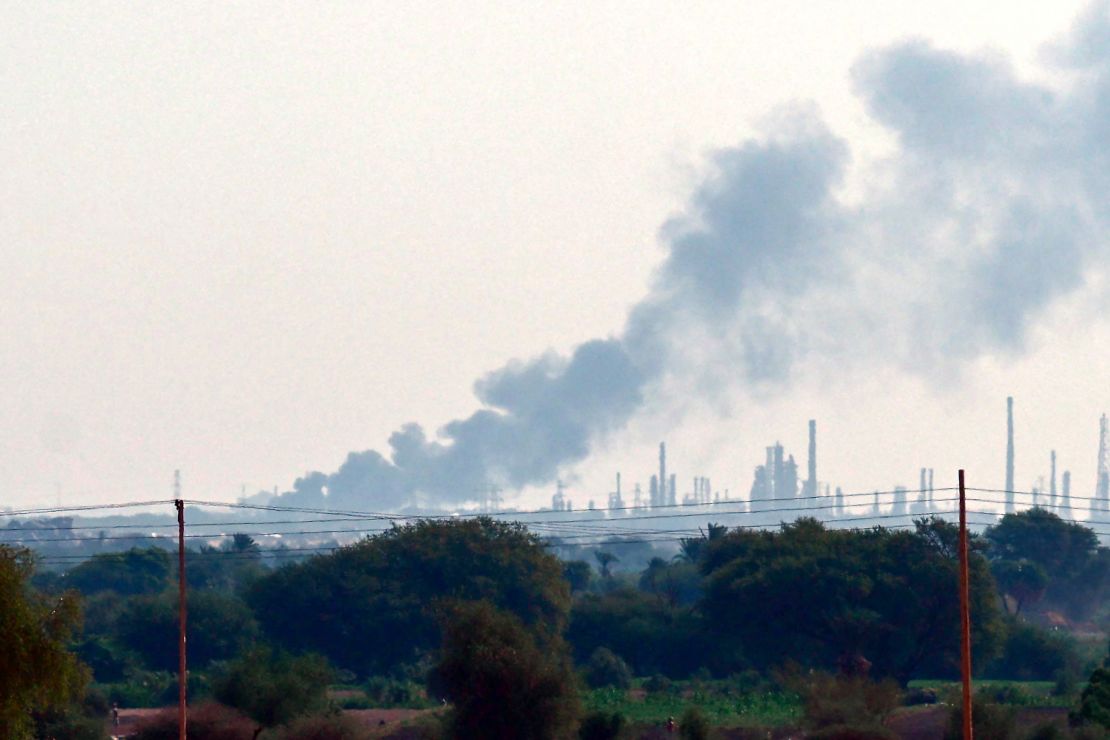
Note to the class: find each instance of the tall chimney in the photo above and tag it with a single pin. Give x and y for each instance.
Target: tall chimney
(1102, 489)
(1065, 498)
(1009, 454)
(1052, 482)
(811, 481)
(662, 473)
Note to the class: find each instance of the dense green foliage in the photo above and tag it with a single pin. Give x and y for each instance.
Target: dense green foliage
(605, 668)
(821, 595)
(36, 670)
(274, 688)
(136, 571)
(220, 626)
(722, 625)
(375, 605)
(651, 634)
(1037, 556)
(500, 681)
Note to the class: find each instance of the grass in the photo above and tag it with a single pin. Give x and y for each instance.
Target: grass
(1018, 693)
(763, 709)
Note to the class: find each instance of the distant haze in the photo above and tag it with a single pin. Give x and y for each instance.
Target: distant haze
(244, 243)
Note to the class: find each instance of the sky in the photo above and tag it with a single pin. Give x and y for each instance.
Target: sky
(247, 241)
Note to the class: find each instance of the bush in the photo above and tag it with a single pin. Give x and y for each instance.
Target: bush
(831, 701)
(693, 725)
(1007, 694)
(272, 688)
(605, 668)
(1094, 704)
(1047, 731)
(502, 684)
(988, 721)
(1031, 653)
(601, 726)
(657, 684)
(141, 689)
(391, 692)
(207, 721)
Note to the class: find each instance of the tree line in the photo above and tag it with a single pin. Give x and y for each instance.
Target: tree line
(476, 610)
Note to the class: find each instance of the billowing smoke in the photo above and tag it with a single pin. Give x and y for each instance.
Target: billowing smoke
(992, 208)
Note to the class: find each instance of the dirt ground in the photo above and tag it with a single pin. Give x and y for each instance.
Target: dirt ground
(928, 723)
(372, 718)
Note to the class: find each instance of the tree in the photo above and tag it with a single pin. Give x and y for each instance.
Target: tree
(605, 668)
(691, 549)
(578, 575)
(500, 681)
(822, 594)
(605, 559)
(1022, 580)
(1094, 704)
(274, 688)
(220, 626)
(36, 670)
(1067, 553)
(135, 571)
(379, 602)
(651, 634)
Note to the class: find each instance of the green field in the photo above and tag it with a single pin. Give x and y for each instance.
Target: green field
(721, 709)
(1017, 693)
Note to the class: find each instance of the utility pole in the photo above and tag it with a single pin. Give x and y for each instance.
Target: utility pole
(181, 615)
(965, 614)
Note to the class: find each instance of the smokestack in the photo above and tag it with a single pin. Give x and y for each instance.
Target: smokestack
(1102, 489)
(1009, 454)
(1065, 498)
(1052, 481)
(777, 476)
(811, 481)
(662, 474)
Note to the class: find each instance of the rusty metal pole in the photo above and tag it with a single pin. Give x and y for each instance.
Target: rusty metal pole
(965, 613)
(181, 676)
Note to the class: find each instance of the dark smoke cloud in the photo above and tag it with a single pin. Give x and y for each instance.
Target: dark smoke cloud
(992, 208)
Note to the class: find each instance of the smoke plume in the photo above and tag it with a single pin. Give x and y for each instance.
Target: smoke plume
(991, 209)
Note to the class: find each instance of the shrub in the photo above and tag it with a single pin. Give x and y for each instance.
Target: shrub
(988, 721)
(207, 721)
(831, 701)
(1031, 653)
(693, 725)
(141, 689)
(1094, 703)
(1006, 694)
(601, 726)
(657, 684)
(391, 692)
(273, 688)
(502, 684)
(605, 668)
(1047, 731)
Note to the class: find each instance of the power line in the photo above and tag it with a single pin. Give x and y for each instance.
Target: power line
(575, 522)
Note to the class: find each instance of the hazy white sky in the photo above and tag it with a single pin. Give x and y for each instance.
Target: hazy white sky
(245, 240)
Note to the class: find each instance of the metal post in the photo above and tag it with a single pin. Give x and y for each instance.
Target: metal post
(965, 613)
(181, 675)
